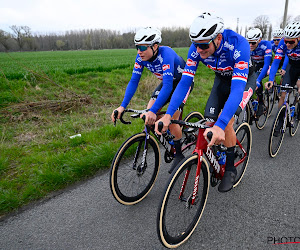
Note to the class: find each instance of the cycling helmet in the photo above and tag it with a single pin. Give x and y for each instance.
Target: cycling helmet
(147, 36)
(292, 30)
(278, 32)
(206, 26)
(254, 34)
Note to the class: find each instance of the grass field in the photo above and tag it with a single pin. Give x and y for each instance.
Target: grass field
(46, 97)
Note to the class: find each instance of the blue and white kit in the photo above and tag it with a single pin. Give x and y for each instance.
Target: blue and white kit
(230, 61)
(167, 66)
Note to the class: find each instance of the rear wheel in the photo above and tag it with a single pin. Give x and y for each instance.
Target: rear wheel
(177, 217)
(244, 116)
(261, 121)
(242, 150)
(130, 179)
(294, 124)
(277, 132)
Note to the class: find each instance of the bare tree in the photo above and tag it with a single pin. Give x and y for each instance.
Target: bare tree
(21, 34)
(262, 22)
(4, 39)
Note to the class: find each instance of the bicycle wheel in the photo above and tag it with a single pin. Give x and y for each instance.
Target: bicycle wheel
(130, 182)
(242, 150)
(261, 121)
(275, 139)
(294, 124)
(273, 98)
(177, 218)
(244, 116)
(189, 135)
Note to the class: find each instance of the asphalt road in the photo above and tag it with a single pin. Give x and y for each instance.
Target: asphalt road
(261, 211)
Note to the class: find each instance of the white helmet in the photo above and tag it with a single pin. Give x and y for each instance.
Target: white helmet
(278, 32)
(292, 30)
(205, 27)
(147, 36)
(254, 34)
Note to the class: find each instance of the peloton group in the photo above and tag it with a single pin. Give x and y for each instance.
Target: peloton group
(240, 63)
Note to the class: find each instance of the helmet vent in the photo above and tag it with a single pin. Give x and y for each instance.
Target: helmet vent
(141, 39)
(210, 31)
(150, 38)
(201, 31)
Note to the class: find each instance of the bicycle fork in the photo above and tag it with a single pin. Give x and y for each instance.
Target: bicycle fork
(141, 168)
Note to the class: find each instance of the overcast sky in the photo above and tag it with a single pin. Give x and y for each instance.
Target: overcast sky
(48, 16)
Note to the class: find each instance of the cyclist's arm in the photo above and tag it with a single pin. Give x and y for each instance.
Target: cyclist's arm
(278, 56)
(185, 81)
(168, 74)
(285, 62)
(267, 62)
(133, 83)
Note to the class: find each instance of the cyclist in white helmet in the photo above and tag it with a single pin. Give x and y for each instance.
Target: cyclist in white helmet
(228, 54)
(167, 66)
(290, 47)
(261, 56)
(277, 34)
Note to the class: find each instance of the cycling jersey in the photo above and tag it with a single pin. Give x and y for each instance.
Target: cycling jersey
(293, 56)
(230, 60)
(261, 58)
(283, 63)
(167, 66)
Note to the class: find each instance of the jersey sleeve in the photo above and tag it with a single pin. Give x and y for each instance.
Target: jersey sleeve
(238, 83)
(186, 80)
(134, 81)
(285, 62)
(168, 74)
(278, 57)
(267, 61)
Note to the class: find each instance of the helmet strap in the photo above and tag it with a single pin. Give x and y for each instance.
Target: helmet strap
(155, 53)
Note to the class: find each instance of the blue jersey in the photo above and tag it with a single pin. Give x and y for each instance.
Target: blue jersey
(231, 60)
(293, 56)
(167, 66)
(262, 57)
(274, 47)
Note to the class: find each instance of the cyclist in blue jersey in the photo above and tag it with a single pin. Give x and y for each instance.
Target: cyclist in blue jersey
(290, 47)
(277, 36)
(167, 66)
(228, 54)
(261, 55)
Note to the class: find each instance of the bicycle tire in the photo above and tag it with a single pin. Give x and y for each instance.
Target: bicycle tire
(128, 185)
(244, 135)
(273, 97)
(276, 141)
(244, 116)
(261, 121)
(190, 138)
(294, 124)
(173, 211)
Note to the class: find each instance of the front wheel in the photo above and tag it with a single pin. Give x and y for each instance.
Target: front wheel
(177, 217)
(277, 132)
(134, 169)
(294, 124)
(261, 121)
(242, 150)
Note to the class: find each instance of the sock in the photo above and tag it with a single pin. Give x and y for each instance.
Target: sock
(230, 159)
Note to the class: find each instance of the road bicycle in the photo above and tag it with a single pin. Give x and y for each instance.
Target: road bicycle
(248, 114)
(136, 164)
(287, 116)
(274, 93)
(186, 192)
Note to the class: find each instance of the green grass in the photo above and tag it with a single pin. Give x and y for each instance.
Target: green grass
(37, 155)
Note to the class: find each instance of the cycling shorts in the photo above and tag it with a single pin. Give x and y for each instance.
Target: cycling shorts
(157, 91)
(291, 75)
(220, 93)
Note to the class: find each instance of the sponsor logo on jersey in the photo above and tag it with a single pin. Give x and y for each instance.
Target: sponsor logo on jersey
(279, 51)
(190, 62)
(236, 54)
(189, 73)
(137, 66)
(166, 66)
(268, 51)
(246, 96)
(158, 75)
(241, 65)
(278, 57)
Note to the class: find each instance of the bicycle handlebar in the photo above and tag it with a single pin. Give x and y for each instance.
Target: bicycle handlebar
(136, 115)
(285, 87)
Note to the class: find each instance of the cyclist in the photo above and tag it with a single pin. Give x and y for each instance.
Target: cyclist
(261, 55)
(290, 47)
(167, 66)
(228, 54)
(277, 36)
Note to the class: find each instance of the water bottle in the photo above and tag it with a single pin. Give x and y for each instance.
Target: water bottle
(292, 110)
(169, 137)
(255, 104)
(221, 156)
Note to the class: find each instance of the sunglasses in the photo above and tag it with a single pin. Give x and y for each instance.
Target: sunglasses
(290, 42)
(203, 46)
(276, 40)
(142, 48)
(253, 43)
